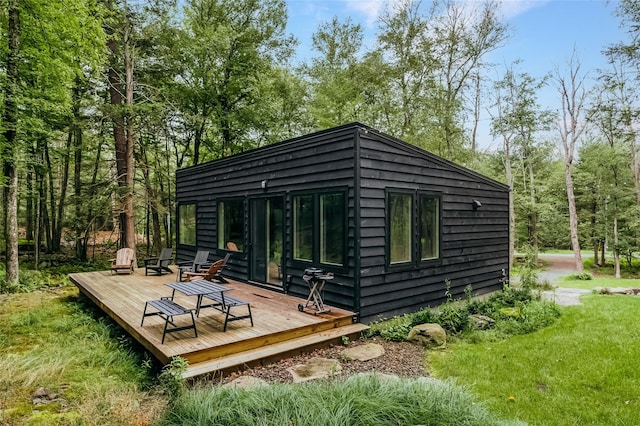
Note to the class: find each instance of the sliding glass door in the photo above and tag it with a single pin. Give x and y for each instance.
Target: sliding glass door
(267, 225)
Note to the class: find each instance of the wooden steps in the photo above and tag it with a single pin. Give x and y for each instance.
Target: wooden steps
(274, 352)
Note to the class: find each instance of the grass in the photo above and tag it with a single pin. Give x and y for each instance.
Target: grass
(597, 282)
(581, 370)
(51, 339)
(363, 400)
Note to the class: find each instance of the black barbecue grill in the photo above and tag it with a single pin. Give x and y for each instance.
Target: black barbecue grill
(315, 279)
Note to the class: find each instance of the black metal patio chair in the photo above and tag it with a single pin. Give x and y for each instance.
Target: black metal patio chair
(193, 265)
(160, 263)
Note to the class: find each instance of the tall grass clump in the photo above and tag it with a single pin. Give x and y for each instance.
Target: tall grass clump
(362, 400)
(54, 341)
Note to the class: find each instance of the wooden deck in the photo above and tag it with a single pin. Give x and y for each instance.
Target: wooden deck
(279, 328)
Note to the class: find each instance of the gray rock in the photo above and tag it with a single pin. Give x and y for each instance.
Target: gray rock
(315, 368)
(245, 382)
(428, 335)
(363, 352)
(481, 322)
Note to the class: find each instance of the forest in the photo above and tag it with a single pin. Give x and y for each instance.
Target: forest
(103, 100)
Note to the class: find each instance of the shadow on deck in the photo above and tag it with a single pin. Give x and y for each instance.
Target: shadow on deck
(279, 330)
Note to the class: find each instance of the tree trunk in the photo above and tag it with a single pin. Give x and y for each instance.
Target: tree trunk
(123, 138)
(153, 220)
(512, 209)
(476, 111)
(616, 248)
(129, 204)
(533, 214)
(29, 211)
(10, 123)
(82, 220)
(594, 233)
(573, 219)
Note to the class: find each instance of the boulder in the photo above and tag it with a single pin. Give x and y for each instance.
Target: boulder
(428, 335)
(481, 322)
(246, 382)
(315, 368)
(363, 352)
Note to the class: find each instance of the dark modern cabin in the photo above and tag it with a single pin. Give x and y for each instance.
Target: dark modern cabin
(396, 225)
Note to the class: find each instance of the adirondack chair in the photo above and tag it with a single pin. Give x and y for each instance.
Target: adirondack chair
(193, 265)
(159, 264)
(213, 272)
(123, 261)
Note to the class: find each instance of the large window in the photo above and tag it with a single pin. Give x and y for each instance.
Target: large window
(400, 224)
(319, 227)
(187, 224)
(332, 228)
(429, 213)
(303, 227)
(413, 233)
(231, 223)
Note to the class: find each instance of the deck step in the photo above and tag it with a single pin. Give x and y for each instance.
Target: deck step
(271, 353)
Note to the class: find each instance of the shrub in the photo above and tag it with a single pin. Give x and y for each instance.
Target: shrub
(585, 276)
(531, 317)
(528, 268)
(516, 311)
(395, 329)
(171, 380)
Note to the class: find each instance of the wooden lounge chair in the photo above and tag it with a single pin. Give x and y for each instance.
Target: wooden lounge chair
(193, 265)
(123, 261)
(214, 272)
(159, 264)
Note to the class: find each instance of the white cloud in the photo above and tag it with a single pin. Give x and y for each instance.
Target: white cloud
(513, 8)
(370, 9)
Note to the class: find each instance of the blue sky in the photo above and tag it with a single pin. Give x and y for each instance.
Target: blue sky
(544, 32)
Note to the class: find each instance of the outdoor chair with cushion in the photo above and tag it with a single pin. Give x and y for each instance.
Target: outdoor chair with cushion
(159, 264)
(193, 265)
(124, 260)
(213, 272)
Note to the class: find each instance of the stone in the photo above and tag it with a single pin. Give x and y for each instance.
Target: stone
(315, 368)
(363, 352)
(44, 396)
(246, 382)
(481, 322)
(428, 335)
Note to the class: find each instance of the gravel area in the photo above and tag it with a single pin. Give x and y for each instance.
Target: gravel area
(400, 358)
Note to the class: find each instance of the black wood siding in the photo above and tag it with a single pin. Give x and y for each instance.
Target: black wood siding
(308, 164)
(474, 243)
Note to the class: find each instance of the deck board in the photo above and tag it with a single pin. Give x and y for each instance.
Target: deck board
(275, 315)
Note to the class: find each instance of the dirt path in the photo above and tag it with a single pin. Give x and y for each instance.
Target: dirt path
(559, 265)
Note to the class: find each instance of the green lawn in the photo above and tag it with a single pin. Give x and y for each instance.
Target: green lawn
(597, 282)
(582, 370)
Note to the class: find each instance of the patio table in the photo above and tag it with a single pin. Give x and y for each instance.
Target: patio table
(198, 288)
